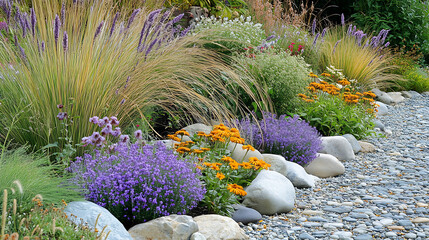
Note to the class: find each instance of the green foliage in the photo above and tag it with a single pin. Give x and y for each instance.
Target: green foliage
(34, 178)
(41, 222)
(281, 75)
(234, 35)
(407, 20)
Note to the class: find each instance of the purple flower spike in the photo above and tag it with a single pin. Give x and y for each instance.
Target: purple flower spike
(63, 13)
(98, 30)
(323, 32)
(57, 25)
(33, 22)
(133, 15)
(114, 24)
(387, 44)
(165, 16)
(343, 23)
(336, 44)
(177, 18)
(153, 15)
(150, 47)
(65, 41)
(315, 39)
(313, 27)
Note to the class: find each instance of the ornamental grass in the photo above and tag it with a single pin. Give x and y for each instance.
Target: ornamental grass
(101, 62)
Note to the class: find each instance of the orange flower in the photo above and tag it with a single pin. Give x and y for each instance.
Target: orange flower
(183, 149)
(182, 132)
(234, 165)
(201, 134)
(312, 75)
(205, 149)
(234, 130)
(246, 165)
(344, 82)
(237, 140)
(220, 175)
(253, 160)
(302, 95)
(248, 147)
(236, 189)
(227, 159)
(199, 167)
(197, 151)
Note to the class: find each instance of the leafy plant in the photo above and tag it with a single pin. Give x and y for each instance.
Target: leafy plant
(109, 64)
(234, 35)
(292, 138)
(218, 8)
(407, 20)
(281, 75)
(338, 108)
(41, 222)
(224, 178)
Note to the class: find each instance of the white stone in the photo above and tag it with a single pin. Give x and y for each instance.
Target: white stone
(325, 165)
(311, 212)
(198, 236)
(338, 147)
(240, 155)
(88, 212)
(367, 147)
(420, 220)
(215, 227)
(396, 97)
(168, 227)
(293, 171)
(197, 127)
(269, 193)
(381, 109)
(333, 225)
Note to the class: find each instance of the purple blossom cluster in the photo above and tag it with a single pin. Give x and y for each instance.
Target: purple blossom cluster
(290, 137)
(137, 184)
(99, 138)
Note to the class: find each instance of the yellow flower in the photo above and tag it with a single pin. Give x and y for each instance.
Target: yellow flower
(199, 167)
(326, 74)
(205, 149)
(183, 149)
(227, 159)
(234, 130)
(202, 134)
(253, 160)
(182, 132)
(220, 175)
(234, 165)
(344, 82)
(197, 151)
(237, 140)
(312, 75)
(302, 95)
(236, 189)
(246, 165)
(248, 147)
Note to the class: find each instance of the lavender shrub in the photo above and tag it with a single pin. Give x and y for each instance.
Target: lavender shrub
(137, 184)
(292, 138)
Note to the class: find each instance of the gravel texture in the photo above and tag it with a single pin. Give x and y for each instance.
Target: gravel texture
(381, 195)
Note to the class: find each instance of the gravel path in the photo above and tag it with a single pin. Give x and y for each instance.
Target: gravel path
(382, 195)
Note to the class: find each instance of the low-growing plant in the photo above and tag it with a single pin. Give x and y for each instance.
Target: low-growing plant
(43, 221)
(290, 137)
(218, 8)
(233, 35)
(224, 178)
(281, 75)
(338, 107)
(138, 182)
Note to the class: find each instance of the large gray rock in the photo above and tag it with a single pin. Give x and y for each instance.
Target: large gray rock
(88, 212)
(215, 227)
(396, 97)
(293, 171)
(240, 155)
(381, 109)
(376, 91)
(270, 193)
(169, 227)
(406, 94)
(194, 128)
(325, 166)
(246, 215)
(414, 94)
(337, 146)
(353, 142)
(382, 96)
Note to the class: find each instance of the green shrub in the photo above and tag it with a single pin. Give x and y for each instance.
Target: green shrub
(234, 35)
(407, 20)
(281, 75)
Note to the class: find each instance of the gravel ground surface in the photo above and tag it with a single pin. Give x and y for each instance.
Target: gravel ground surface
(382, 195)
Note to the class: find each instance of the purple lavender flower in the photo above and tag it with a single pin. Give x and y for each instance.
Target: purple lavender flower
(152, 15)
(177, 18)
(165, 16)
(323, 32)
(133, 15)
(150, 47)
(23, 55)
(313, 27)
(114, 23)
(343, 23)
(349, 30)
(315, 39)
(270, 37)
(6, 6)
(33, 22)
(387, 44)
(98, 30)
(65, 41)
(292, 138)
(62, 115)
(335, 46)
(57, 25)
(138, 183)
(183, 33)
(63, 13)
(138, 134)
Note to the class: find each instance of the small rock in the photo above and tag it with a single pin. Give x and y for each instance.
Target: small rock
(197, 236)
(420, 220)
(401, 228)
(311, 212)
(305, 236)
(215, 227)
(246, 215)
(391, 234)
(410, 235)
(325, 165)
(353, 142)
(419, 204)
(367, 147)
(381, 109)
(338, 147)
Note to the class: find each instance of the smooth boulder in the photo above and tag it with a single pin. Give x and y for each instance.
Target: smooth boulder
(396, 97)
(88, 212)
(198, 127)
(353, 142)
(246, 215)
(338, 147)
(381, 109)
(382, 96)
(293, 171)
(241, 155)
(215, 227)
(270, 193)
(325, 165)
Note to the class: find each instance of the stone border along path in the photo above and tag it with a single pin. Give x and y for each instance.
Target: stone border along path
(382, 195)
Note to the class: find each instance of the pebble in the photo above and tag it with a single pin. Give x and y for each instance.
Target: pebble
(382, 195)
